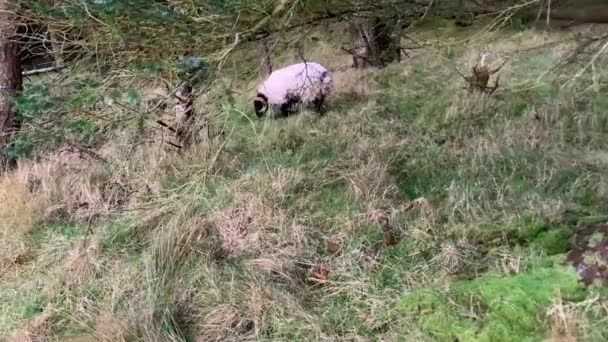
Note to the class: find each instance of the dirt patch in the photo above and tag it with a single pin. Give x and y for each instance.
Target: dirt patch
(590, 254)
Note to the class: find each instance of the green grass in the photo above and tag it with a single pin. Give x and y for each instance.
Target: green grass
(491, 307)
(20, 305)
(63, 228)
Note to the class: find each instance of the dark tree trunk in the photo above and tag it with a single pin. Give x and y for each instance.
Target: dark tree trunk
(10, 78)
(386, 40)
(376, 43)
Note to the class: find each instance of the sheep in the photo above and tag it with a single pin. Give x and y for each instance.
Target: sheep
(297, 85)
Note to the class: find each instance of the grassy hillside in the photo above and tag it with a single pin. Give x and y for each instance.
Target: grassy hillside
(274, 231)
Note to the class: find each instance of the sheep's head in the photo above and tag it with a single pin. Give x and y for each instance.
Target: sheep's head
(260, 103)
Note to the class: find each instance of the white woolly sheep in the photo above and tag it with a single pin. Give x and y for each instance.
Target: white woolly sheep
(301, 84)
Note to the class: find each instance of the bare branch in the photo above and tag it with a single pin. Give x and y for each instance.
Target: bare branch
(162, 123)
(497, 69)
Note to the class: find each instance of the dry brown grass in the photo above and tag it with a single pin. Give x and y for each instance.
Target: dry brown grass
(247, 315)
(37, 329)
(255, 228)
(454, 256)
(130, 306)
(81, 262)
(354, 83)
(469, 107)
(119, 176)
(70, 183)
(369, 182)
(20, 212)
(567, 320)
(256, 225)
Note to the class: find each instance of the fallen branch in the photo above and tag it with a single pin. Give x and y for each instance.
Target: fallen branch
(90, 153)
(162, 123)
(593, 59)
(572, 57)
(174, 145)
(42, 70)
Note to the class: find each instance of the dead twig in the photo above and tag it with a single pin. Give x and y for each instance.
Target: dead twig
(78, 148)
(174, 145)
(162, 123)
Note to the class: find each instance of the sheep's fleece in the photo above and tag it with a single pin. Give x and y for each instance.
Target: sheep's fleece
(305, 83)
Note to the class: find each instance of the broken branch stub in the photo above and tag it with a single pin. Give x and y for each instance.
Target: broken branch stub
(184, 112)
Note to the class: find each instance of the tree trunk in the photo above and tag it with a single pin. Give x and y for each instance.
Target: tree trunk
(56, 46)
(376, 43)
(10, 78)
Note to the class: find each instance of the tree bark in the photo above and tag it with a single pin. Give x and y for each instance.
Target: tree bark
(376, 42)
(10, 77)
(54, 38)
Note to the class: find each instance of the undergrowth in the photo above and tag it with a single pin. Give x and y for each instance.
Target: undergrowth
(228, 239)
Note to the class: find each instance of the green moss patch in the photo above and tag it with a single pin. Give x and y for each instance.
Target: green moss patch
(493, 307)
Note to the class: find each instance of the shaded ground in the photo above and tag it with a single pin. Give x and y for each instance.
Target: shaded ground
(590, 254)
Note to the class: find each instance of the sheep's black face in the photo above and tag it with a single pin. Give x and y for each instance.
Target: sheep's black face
(260, 103)
(259, 106)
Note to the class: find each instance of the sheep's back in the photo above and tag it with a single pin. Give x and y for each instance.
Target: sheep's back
(302, 79)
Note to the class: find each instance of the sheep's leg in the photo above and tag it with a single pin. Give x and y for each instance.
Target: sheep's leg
(285, 109)
(290, 101)
(318, 104)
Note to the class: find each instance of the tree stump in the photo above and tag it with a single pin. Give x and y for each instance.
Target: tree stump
(479, 80)
(11, 79)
